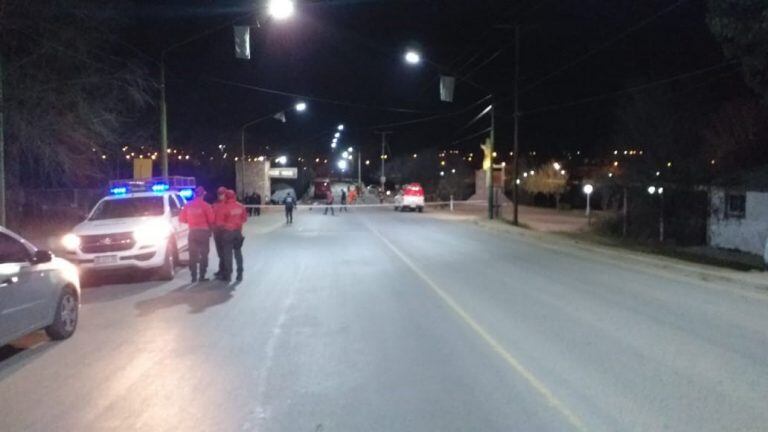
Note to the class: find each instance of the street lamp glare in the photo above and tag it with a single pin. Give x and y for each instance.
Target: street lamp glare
(281, 9)
(588, 189)
(340, 127)
(651, 190)
(336, 135)
(342, 164)
(345, 155)
(301, 107)
(349, 149)
(412, 57)
(333, 145)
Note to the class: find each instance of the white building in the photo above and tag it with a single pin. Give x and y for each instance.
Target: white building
(738, 217)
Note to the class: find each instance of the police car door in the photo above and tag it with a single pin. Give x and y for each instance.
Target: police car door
(181, 231)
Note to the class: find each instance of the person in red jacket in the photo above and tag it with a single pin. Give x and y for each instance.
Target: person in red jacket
(199, 216)
(234, 217)
(218, 217)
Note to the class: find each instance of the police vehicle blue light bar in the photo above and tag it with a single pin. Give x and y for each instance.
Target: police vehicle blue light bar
(122, 190)
(160, 187)
(187, 193)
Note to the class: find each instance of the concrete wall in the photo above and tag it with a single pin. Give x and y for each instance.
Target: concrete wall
(746, 234)
(256, 179)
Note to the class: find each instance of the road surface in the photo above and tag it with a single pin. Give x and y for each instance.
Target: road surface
(380, 321)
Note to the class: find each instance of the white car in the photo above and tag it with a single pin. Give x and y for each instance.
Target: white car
(37, 291)
(131, 231)
(411, 197)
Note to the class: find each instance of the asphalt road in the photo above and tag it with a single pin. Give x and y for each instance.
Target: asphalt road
(379, 321)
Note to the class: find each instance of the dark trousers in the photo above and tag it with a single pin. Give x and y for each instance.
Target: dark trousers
(257, 210)
(329, 206)
(217, 232)
(231, 245)
(289, 214)
(199, 245)
(343, 207)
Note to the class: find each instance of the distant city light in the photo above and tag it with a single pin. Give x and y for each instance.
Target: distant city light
(556, 165)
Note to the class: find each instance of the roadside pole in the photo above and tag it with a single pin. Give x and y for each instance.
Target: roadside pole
(624, 215)
(383, 178)
(516, 148)
(163, 121)
(489, 175)
(2, 146)
(359, 169)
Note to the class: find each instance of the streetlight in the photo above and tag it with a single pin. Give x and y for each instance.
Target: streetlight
(282, 160)
(588, 189)
(342, 164)
(412, 57)
(557, 166)
(301, 107)
(653, 190)
(277, 9)
(281, 9)
(340, 127)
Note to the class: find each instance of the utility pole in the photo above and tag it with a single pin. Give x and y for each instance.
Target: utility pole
(489, 176)
(516, 149)
(163, 121)
(383, 178)
(2, 146)
(359, 169)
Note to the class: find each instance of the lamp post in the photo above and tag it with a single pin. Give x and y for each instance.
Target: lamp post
(277, 9)
(653, 190)
(588, 189)
(300, 107)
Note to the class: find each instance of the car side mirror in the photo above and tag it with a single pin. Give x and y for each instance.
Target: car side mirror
(42, 257)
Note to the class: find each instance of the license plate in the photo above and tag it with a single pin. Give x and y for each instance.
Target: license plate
(105, 259)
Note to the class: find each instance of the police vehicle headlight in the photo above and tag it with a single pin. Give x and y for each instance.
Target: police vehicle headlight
(152, 233)
(70, 242)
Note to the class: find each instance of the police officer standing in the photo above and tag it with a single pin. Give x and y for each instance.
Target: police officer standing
(218, 217)
(234, 217)
(199, 216)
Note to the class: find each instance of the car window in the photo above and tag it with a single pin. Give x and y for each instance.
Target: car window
(129, 207)
(12, 250)
(175, 209)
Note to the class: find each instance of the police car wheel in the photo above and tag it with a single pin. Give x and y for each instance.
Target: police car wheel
(421, 209)
(65, 321)
(168, 270)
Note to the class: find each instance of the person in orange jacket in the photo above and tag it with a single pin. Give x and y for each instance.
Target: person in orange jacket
(234, 217)
(199, 216)
(218, 217)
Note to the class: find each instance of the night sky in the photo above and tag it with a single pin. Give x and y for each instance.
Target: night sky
(349, 54)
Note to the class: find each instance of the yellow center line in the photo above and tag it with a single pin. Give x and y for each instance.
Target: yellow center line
(515, 364)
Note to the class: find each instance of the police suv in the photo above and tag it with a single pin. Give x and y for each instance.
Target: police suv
(135, 227)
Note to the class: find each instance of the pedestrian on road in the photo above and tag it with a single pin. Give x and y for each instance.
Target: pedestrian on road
(329, 203)
(343, 206)
(198, 214)
(290, 203)
(257, 202)
(352, 196)
(232, 238)
(218, 217)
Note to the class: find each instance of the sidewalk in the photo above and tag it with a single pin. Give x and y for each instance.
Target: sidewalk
(623, 256)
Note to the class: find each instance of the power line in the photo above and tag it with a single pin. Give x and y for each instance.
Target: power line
(430, 118)
(317, 99)
(604, 45)
(631, 89)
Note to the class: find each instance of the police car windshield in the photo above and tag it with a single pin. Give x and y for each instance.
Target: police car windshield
(129, 207)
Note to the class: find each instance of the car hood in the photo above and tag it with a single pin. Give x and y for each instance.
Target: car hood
(109, 226)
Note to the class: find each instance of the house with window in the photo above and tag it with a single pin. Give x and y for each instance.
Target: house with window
(738, 216)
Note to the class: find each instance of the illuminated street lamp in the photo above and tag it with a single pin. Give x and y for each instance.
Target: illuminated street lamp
(342, 164)
(340, 127)
(653, 190)
(588, 189)
(281, 9)
(301, 107)
(412, 57)
(282, 160)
